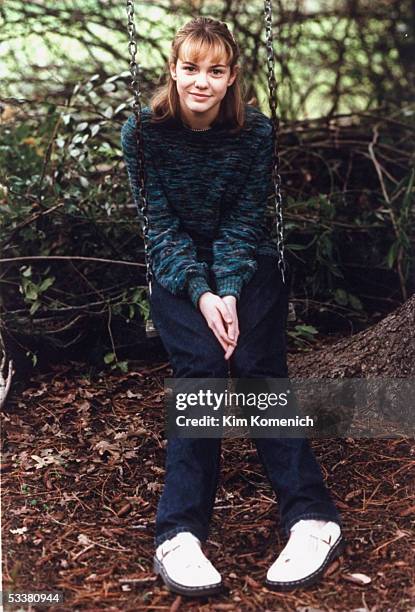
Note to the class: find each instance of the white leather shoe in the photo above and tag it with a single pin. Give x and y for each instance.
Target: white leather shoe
(312, 545)
(184, 568)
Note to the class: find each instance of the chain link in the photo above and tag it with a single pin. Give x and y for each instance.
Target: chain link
(142, 205)
(272, 86)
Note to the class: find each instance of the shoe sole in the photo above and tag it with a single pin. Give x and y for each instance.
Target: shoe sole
(335, 552)
(210, 589)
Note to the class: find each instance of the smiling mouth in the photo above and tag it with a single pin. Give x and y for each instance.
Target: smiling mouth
(200, 95)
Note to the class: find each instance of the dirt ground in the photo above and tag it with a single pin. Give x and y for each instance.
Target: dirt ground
(82, 470)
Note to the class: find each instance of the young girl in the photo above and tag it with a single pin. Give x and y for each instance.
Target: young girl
(218, 301)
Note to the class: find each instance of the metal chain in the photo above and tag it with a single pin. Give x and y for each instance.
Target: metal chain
(136, 106)
(272, 85)
(142, 205)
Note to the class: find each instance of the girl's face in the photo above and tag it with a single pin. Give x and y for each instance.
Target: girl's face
(201, 86)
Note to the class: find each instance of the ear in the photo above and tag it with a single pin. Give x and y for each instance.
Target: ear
(173, 71)
(234, 75)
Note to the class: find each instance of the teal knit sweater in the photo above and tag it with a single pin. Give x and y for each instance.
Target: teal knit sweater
(207, 196)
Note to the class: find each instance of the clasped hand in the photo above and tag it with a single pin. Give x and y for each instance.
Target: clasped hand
(221, 317)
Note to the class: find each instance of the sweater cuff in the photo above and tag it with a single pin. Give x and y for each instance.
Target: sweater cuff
(196, 287)
(229, 285)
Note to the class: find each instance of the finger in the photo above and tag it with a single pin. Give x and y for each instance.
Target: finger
(229, 351)
(236, 327)
(218, 326)
(224, 345)
(226, 313)
(233, 331)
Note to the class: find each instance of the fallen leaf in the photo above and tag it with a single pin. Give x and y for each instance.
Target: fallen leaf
(131, 394)
(42, 462)
(361, 579)
(47, 458)
(83, 539)
(124, 510)
(19, 530)
(352, 494)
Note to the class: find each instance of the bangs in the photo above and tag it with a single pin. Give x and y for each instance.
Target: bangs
(194, 47)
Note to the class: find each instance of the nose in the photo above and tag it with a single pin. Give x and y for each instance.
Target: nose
(201, 81)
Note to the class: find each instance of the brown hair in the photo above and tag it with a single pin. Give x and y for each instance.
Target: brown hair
(202, 34)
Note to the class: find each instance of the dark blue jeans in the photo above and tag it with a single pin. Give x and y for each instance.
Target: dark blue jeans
(192, 464)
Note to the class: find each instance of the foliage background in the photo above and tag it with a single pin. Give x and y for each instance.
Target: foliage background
(346, 82)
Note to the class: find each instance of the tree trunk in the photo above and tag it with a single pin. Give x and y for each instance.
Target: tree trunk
(386, 349)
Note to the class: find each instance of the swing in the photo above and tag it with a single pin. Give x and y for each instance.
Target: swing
(151, 330)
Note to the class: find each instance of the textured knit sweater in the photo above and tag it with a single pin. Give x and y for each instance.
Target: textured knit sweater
(207, 196)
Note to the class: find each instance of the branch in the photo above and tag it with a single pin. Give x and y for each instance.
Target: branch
(70, 257)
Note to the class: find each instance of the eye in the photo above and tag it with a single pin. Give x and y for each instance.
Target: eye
(217, 71)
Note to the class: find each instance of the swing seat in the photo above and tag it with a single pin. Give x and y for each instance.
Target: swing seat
(151, 329)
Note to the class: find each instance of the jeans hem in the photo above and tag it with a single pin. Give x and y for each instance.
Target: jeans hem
(173, 532)
(312, 515)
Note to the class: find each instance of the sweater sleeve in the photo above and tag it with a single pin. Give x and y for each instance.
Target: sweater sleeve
(234, 249)
(172, 251)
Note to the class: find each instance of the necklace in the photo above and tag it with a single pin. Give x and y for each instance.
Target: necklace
(197, 129)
